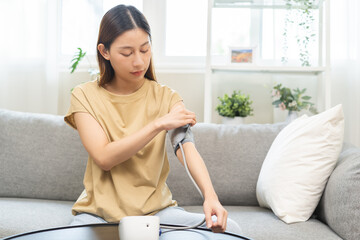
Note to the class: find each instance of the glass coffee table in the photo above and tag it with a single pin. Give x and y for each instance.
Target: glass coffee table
(109, 231)
(104, 231)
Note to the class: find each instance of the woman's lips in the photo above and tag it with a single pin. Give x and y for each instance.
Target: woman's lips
(138, 73)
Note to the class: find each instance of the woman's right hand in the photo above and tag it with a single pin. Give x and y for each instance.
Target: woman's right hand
(177, 117)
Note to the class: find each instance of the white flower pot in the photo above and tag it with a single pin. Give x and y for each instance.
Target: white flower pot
(284, 115)
(292, 115)
(235, 120)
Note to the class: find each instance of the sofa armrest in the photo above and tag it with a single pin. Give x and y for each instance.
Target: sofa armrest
(339, 206)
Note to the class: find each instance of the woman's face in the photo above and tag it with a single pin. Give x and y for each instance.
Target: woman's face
(130, 55)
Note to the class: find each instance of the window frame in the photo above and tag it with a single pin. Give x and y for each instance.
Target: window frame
(155, 12)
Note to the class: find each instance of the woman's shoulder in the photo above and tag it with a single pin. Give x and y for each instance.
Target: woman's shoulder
(86, 87)
(161, 87)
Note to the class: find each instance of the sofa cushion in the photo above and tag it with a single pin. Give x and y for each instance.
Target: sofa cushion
(299, 163)
(40, 156)
(233, 155)
(24, 215)
(261, 224)
(340, 204)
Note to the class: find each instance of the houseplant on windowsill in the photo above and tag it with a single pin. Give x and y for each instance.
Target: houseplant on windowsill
(234, 108)
(291, 100)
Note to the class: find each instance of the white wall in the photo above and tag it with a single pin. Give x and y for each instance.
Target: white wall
(68, 81)
(190, 87)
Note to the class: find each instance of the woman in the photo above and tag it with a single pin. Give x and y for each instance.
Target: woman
(122, 119)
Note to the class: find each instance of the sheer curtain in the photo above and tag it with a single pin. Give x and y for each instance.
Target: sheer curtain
(30, 42)
(28, 50)
(345, 63)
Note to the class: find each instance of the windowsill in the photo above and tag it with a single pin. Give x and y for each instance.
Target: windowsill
(269, 69)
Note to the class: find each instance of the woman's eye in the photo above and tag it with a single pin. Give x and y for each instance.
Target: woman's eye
(126, 54)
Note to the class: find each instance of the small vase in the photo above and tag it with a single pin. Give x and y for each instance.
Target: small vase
(234, 120)
(292, 115)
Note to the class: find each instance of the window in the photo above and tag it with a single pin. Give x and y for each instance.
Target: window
(275, 45)
(179, 31)
(81, 20)
(264, 29)
(186, 27)
(230, 28)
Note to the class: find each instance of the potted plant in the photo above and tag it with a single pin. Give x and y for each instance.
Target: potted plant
(235, 108)
(291, 100)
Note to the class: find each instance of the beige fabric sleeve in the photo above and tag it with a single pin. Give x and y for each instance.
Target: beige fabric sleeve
(78, 103)
(175, 98)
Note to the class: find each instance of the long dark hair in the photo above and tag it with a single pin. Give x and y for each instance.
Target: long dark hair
(115, 22)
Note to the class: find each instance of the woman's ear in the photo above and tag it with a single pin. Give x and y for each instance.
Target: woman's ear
(103, 51)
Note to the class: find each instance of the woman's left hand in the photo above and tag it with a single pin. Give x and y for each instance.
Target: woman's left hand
(212, 207)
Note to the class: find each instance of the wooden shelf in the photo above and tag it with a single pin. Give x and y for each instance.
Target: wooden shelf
(268, 69)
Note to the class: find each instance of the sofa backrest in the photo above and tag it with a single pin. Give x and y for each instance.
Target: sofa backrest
(40, 157)
(233, 155)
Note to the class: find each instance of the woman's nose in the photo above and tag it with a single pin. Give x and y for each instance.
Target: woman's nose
(138, 61)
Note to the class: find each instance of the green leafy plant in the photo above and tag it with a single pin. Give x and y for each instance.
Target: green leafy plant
(292, 100)
(77, 58)
(236, 105)
(305, 22)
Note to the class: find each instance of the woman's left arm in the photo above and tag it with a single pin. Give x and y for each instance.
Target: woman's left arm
(199, 172)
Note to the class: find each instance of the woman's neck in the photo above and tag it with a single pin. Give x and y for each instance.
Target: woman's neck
(121, 87)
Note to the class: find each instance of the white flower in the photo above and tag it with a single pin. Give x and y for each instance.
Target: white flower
(292, 104)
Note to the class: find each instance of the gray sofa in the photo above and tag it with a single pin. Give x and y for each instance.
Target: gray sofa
(43, 161)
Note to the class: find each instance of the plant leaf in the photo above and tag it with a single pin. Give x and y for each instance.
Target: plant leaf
(76, 59)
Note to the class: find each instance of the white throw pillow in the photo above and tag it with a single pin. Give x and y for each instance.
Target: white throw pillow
(299, 163)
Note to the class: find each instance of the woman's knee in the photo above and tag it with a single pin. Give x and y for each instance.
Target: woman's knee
(178, 216)
(233, 227)
(85, 218)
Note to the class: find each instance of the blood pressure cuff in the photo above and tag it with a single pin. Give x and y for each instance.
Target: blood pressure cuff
(180, 135)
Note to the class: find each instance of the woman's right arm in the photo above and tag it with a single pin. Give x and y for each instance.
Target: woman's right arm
(107, 155)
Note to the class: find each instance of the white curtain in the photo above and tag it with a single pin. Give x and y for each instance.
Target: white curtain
(345, 63)
(28, 50)
(30, 42)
